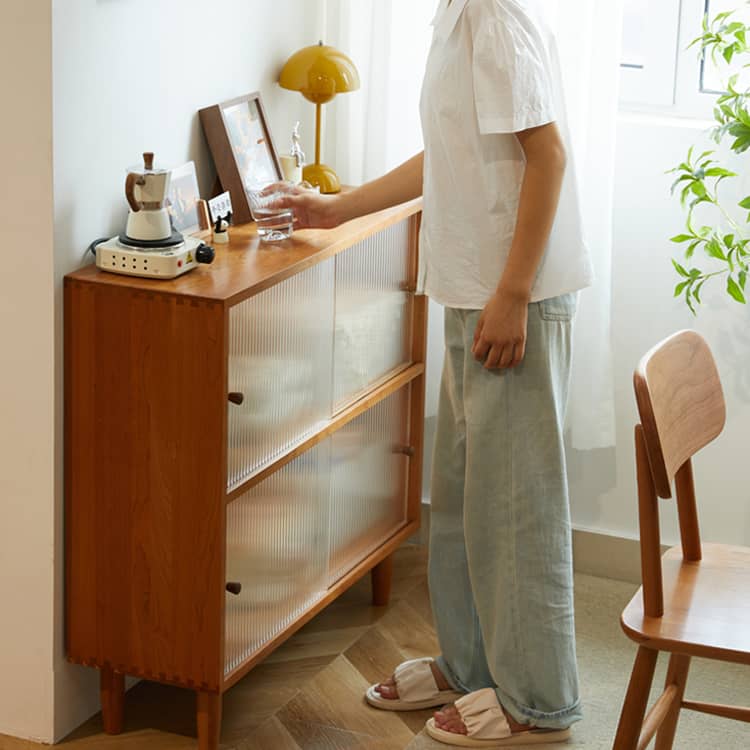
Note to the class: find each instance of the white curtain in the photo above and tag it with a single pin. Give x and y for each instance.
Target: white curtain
(589, 35)
(376, 128)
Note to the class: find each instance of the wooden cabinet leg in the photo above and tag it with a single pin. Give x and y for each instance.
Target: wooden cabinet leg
(382, 574)
(112, 694)
(209, 720)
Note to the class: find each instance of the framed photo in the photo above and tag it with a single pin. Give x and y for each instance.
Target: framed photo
(183, 199)
(244, 153)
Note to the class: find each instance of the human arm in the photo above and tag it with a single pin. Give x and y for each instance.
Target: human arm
(500, 338)
(311, 209)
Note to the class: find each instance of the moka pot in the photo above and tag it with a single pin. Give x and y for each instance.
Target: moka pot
(146, 189)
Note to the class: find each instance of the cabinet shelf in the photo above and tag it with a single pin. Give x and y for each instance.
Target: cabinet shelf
(381, 389)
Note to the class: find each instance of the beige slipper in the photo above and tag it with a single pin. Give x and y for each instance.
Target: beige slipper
(416, 687)
(488, 726)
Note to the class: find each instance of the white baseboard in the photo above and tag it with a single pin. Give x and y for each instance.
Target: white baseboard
(594, 553)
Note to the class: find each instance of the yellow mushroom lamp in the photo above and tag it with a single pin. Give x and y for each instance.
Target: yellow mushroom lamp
(319, 73)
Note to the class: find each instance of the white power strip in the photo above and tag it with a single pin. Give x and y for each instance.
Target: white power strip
(154, 264)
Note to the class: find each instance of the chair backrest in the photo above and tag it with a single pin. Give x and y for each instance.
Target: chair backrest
(680, 402)
(681, 405)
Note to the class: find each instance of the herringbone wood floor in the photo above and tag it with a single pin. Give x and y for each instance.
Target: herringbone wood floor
(308, 694)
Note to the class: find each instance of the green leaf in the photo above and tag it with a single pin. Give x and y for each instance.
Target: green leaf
(745, 203)
(713, 248)
(682, 238)
(690, 303)
(680, 288)
(742, 279)
(734, 290)
(679, 180)
(697, 291)
(729, 240)
(719, 172)
(680, 269)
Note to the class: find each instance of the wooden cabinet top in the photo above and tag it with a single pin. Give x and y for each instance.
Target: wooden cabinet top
(247, 266)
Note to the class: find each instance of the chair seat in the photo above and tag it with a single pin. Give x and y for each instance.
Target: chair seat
(706, 606)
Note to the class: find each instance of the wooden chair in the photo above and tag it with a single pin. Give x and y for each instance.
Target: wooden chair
(695, 600)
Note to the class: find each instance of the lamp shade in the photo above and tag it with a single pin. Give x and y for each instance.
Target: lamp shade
(319, 73)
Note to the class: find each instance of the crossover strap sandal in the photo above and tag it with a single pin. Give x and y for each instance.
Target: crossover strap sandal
(416, 687)
(488, 726)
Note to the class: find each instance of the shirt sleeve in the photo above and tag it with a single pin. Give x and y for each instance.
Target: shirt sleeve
(512, 78)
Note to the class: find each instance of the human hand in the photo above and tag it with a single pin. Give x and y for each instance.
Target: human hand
(311, 209)
(500, 338)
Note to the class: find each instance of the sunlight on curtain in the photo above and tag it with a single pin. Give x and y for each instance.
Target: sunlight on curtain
(376, 128)
(589, 34)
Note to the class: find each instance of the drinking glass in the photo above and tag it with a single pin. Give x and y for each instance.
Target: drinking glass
(274, 224)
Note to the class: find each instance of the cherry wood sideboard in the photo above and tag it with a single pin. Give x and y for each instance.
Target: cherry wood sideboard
(242, 444)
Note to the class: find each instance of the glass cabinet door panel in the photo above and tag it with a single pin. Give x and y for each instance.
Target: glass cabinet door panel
(368, 482)
(280, 363)
(277, 543)
(372, 311)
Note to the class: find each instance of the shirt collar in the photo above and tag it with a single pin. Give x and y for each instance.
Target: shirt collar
(447, 16)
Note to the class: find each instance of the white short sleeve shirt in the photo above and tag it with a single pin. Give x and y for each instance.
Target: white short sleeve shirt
(492, 72)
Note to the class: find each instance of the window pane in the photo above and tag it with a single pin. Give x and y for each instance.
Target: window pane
(634, 34)
(650, 45)
(714, 77)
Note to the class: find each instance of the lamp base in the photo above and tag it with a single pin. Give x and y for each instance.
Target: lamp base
(319, 175)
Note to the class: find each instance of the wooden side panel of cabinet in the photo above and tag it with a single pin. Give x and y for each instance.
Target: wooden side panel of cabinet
(145, 458)
(420, 312)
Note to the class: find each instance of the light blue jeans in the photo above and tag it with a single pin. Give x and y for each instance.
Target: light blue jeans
(500, 572)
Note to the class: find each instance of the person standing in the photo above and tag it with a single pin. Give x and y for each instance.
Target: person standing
(502, 249)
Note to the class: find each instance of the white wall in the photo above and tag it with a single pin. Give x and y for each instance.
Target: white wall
(603, 491)
(27, 371)
(128, 77)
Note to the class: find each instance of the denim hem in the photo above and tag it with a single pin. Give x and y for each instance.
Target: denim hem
(561, 719)
(450, 678)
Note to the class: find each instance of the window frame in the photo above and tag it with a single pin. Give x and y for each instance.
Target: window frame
(653, 85)
(685, 98)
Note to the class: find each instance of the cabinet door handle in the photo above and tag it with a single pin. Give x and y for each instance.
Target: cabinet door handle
(237, 398)
(407, 450)
(234, 588)
(408, 286)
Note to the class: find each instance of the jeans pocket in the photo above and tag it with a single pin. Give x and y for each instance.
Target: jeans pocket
(559, 308)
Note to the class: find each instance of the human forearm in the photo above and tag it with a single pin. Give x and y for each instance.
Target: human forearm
(539, 198)
(402, 184)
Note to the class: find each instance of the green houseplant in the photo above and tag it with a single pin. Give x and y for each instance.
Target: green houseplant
(721, 249)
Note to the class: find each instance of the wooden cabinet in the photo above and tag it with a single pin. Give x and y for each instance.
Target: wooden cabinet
(242, 444)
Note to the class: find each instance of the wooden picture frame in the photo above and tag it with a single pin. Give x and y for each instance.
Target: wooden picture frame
(243, 149)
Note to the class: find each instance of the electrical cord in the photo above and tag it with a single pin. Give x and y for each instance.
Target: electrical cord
(92, 246)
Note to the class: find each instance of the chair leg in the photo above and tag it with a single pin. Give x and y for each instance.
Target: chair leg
(677, 675)
(636, 700)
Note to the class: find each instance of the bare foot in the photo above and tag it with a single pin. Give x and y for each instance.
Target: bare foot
(389, 691)
(449, 720)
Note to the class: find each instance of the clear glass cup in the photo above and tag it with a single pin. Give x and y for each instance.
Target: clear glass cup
(274, 224)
